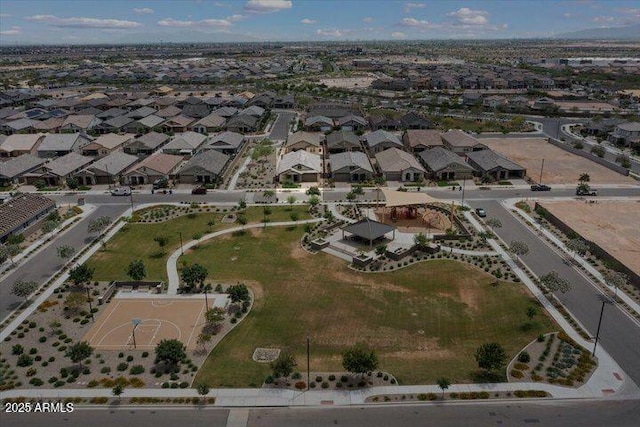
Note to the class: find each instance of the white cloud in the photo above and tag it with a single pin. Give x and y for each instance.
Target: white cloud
(143, 11)
(5, 15)
(419, 24)
(215, 23)
(267, 6)
(567, 15)
(467, 16)
(412, 5)
(398, 35)
(368, 19)
(603, 19)
(81, 22)
(13, 31)
(307, 21)
(330, 33)
(236, 18)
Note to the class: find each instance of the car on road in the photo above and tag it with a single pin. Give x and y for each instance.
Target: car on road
(586, 192)
(121, 191)
(540, 187)
(160, 183)
(481, 213)
(199, 190)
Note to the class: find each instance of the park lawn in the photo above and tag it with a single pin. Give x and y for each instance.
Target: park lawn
(135, 241)
(424, 321)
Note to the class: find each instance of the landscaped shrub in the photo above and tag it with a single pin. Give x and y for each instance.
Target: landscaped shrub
(516, 373)
(184, 384)
(344, 378)
(332, 377)
(268, 380)
(129, 358)
(318, 379)
(521, 366)
(165, 384)
(122, 366)
(301, 385)
(24, 360)
(325, 384)
(312, 385)
(42, 339)
(145, 354)
(37, 382)
(105, 370)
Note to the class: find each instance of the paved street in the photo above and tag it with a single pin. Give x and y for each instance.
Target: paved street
(280, 129)
(619, 335)
(42, 266)
(513, 413)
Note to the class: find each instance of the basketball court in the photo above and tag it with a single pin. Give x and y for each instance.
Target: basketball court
(141, 323)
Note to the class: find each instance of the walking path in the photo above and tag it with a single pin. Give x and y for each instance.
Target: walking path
(234, 179)
(172, 263)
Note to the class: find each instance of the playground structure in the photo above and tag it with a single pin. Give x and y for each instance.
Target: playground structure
(414, 218)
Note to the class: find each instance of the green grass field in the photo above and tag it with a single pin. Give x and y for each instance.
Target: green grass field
(424, 321)
(135, 241)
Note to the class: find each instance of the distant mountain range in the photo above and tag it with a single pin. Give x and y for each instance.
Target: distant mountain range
(631, 32)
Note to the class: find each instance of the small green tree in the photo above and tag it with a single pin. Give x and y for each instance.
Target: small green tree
(381, 250)
(215, 315)
(518, 248)
(554, 282)
(242, 205)
(531, 312)
(490, 356)
(283, 365)
(203, 339)
(170, 352)
(494, 223)
(242, 220)
(238, 292)
(81, 274)
(359, 359)
(137, 270)
(98, 226)
(117, 390)
(161, 241)
(49, 226)
(193, 275)
(79, 351)
(74, 301)
(577, 246)
(444, 384)
(584, 177)
(65, 251)
(616, 280)
(23, 289)
(294, 216)
(203, 389)
(421, 241)
(291, 200)
(314, 200)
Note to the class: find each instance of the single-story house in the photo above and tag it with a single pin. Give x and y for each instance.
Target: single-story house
(113, 125)
(58, 170)
(381, 140)
(307, 141)
(413, 120)
(21, 211)
(197, 111)
(13, 170)
(170, 111)
(494, 101)
(80, 123)
(351, 122)
(299, 166)
(384, 123)
(141, 113)
(626, 133)
(226, 142)
(59, 144)
(159, 165)
(340, 141)
(445, 165)
(19, 143)
(318, 123)
(489, 163)
(107, 170)
(398, 165)
(461, 143)
(108, 143)
(350, 166)
(19, 126)
(186, 143)
(226, 112)
(209, 124)
(177, 124)
(418, 140)
(243, 123)
(147, 144)
(205, 167)
(254, 111)
(144, 125)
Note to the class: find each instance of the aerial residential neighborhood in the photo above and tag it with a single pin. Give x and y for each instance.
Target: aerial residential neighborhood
(252, 213)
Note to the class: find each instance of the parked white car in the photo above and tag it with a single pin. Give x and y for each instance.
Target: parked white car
(121, 191)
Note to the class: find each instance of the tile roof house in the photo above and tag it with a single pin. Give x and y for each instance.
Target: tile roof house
(341, 140)
(147, 144)
(159, 165)
(21, 125)
(413, 120)
(417, 140)
(307, 141)
(350, 166)
(461, 143)
(398, 165)
(243, 123)
(59, 144)
(186, 143)
(80, 123)
(625, 133)
(107, 170)
(177, 124)
(18, 144)
(299, 166)
(196, 111)
(381, 140)
(144, 125)
(205, 167)
(445, 165)
(489, 163)
(115, 124)
(351, 122)
(141, 113)
(318, 123)
(384, 123)
(19, 212)
(61, 168)
(225, 142)
(170, 111)
(108, 143)
(12, 170)
(211, 123)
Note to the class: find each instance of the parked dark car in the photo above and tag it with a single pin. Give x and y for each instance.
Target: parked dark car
(481, 213)
(199, 190)
(160, 183)
(586, 192)
(540, 187)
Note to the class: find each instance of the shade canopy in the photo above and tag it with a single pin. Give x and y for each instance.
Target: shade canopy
(368, 229)
(404, 198)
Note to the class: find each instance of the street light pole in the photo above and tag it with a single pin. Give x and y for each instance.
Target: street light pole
(308, 363)
(89, 301)
(598, 331)
(464, 183)
(181, 250)
(131, 199)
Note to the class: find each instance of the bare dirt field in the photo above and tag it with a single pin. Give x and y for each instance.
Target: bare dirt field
(159, 319)
(591, 106)
(613, 225)
(349, 82)
(560, 167)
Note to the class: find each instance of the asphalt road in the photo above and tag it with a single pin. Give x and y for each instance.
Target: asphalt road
(42, 266)
(280, 129)
(619, 334)
(549, 413)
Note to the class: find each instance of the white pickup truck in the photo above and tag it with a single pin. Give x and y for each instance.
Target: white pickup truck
(121, 191)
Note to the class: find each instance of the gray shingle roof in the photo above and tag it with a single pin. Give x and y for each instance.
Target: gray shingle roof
(395, 160)
(153, 140)
(300, 157)
(350, 158)
(227, 139)
(458, 138)
(16, 166)
(342, 139)
(211, 161)
(380, 136)
(114, 163)
(488, 160)
(439, 158)
(368, 229)
(63, 166)
(59, 141)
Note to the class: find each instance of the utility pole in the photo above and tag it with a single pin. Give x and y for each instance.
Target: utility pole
(181, 250)
(308, 363)
(541, 167)
(464, 183)
(89, 301)
(598, 331)
(131, 200)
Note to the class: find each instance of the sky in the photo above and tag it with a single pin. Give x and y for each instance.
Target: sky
(104, 21)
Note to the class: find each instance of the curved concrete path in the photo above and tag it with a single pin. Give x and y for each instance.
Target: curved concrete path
(172, 263)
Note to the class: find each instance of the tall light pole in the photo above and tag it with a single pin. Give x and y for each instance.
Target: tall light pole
(541, 167)
(308, 363)
(464, 183)
(181, 250)
(131, 199)
(89, 301)
(598, 331)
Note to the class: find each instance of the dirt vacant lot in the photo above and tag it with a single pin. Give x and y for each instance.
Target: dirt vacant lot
(349, 82)
(560, 167)
(613, 225)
